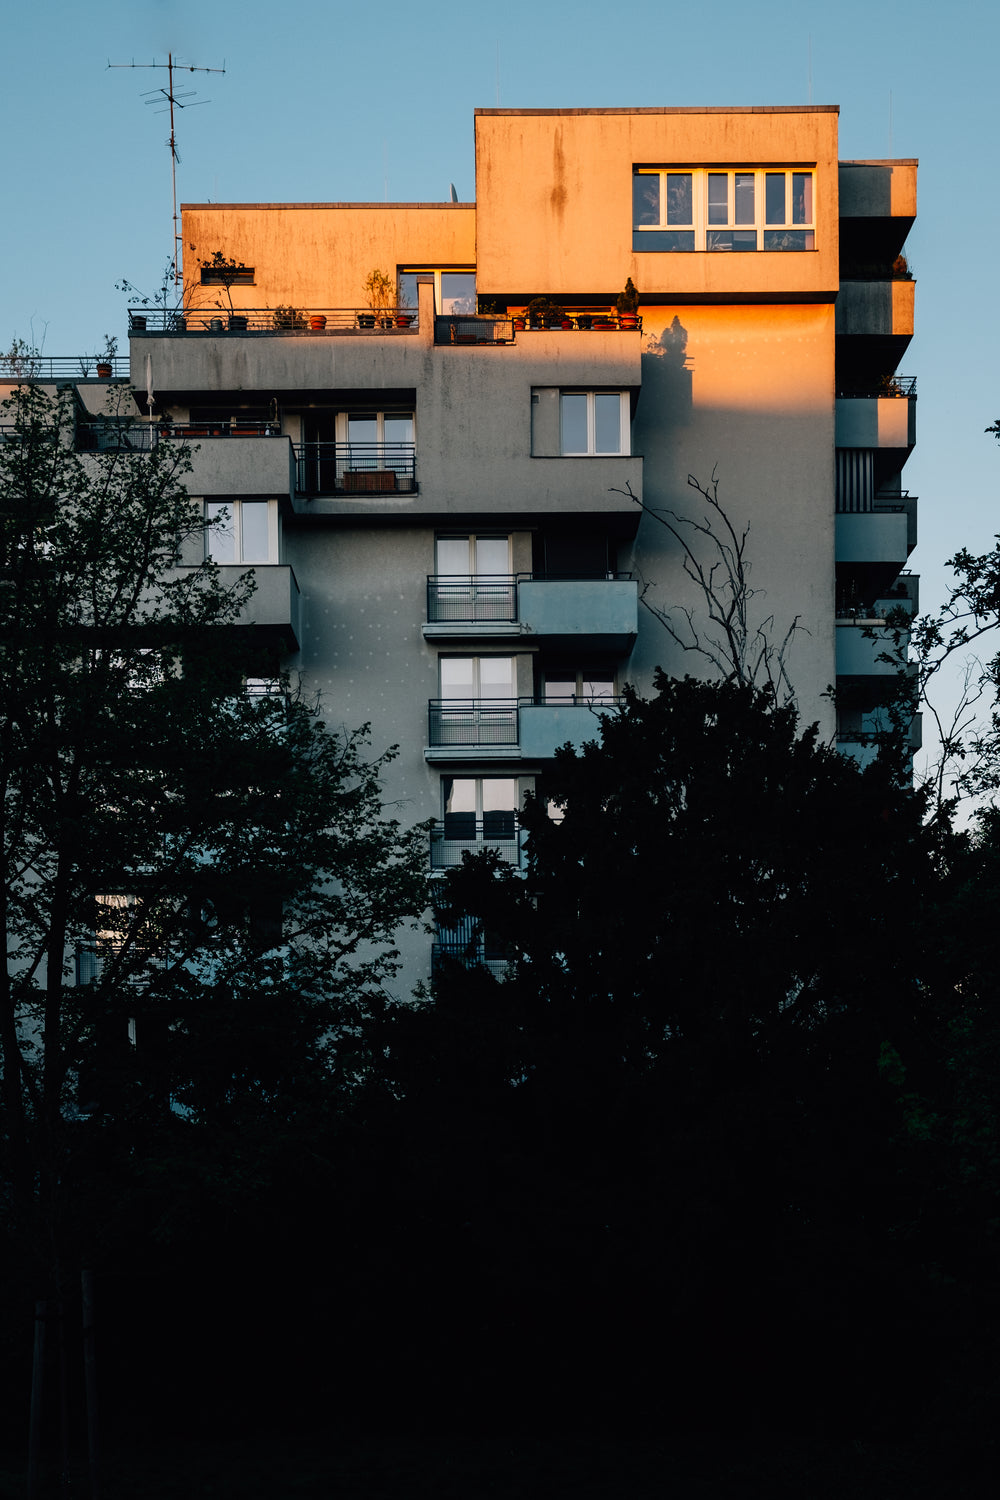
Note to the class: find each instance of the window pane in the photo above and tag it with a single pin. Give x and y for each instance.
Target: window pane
(789, 239)
(398, 428)
(457, 677)
(573, 423)
(492, 555)
(802, 195)
(458, 292)
(559, 686)
(608, 422)
(499, 794)
(680, 198)
(496, 677)
(253, 517)
(774, 198)
(744, 198)
(220, 542)
(452, 556)
(662, 240)
(718, 197)
(408, 289)
(362, 428)
(597, 686)
(645, 198)
(459, 795)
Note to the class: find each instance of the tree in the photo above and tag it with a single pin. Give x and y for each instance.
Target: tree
(672, 1114)
(201, 880)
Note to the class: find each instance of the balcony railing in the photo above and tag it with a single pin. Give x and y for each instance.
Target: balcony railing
(483, 597)
(355, 468)
(470, 330)
(469, 958)
(64, 367)
(462, 833)
(282, 320)
(487, 722)
(889, 385)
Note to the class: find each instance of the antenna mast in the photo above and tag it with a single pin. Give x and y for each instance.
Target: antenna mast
(178, 101)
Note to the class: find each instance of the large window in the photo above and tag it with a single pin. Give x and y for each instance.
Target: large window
(242, 531)
(454, 291)
(739, 209)
(593, 422)
(468, 677)
(571, 684)
(472, 579)
(480, 809)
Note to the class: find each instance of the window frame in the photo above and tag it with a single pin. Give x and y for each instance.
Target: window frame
(438, 272)
(624, 425)
(235, 507)
(705, 235)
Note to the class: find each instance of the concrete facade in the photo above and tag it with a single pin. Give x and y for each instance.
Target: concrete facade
(392, 452)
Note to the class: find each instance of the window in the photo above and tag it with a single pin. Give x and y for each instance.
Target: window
(472, 579)
(477, 677)
(593, 422)
(478, 809)
(227, 275)
(480, 812)
(572, 684)
(454, 291)
(739, 209)
(242, 531)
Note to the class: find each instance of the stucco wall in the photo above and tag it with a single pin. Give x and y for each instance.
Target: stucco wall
(747, 393)
(554, 193)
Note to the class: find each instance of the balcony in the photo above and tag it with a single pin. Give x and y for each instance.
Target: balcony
(869, 648)
(880, 309)
(481, 330)
(511, 728)
(355, 469)
(601, 612)
(275, 609)
(881, 416)
(462, 833)
(885, 534)
(292, 322)
(63, 367)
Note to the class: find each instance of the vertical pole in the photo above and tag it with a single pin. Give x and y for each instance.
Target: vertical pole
(90, 1381)
(64, 1482)
(37, 1384)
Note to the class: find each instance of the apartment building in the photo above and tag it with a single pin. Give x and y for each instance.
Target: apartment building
(451, 508)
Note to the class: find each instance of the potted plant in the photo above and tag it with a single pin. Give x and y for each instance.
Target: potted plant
(542, 312)
(383, 297)
(106, 359)
(628, 306)
(288, 317)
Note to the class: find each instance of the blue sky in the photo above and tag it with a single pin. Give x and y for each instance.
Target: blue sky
(326, 101)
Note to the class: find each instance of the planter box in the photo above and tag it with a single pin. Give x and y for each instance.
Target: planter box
(367, 482)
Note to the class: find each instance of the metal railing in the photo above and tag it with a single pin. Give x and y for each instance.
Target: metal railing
(489, 722)
(493, 596)
(473, 330)
(283, 320)
(237, 427)
(110, 437)
(889, 385)
(483, 596)
(464, 833)
(355, 468)
(63, 367)
(469, 958)
(473, 721)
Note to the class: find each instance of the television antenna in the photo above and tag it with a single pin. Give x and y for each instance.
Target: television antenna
(169, 99)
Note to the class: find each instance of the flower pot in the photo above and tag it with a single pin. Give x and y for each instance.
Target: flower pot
(604, 323)
(403, 320)
(103, 370)
(518, 325)
(366, 320)
(138, 324)
(237, 323)
(583, 322)
(566, 323)
(628, 320)
(317, 322)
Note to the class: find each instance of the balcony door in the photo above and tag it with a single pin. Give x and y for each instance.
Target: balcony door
(472, 578)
